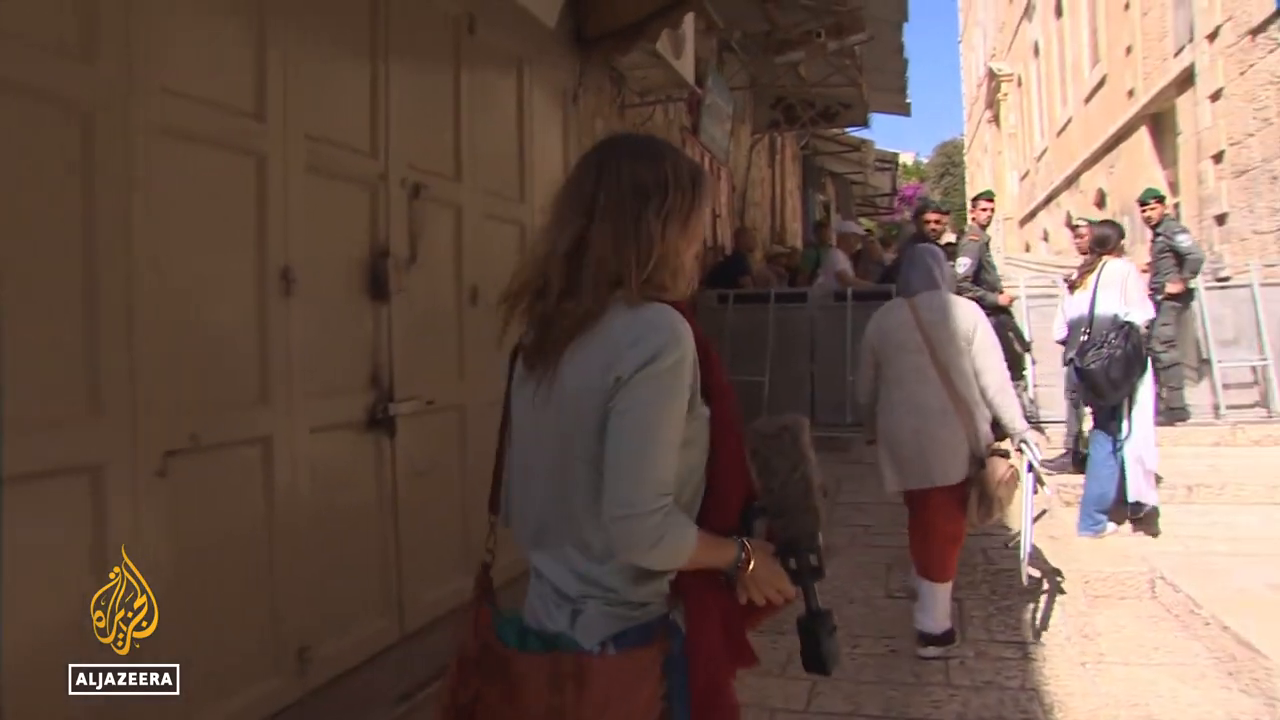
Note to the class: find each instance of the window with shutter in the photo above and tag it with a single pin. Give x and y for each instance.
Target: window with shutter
(1038, 97)
(1061, 38)
(1183, 25)
(1092, 39)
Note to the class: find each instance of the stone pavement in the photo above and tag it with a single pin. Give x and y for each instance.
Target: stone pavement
(1126, 627)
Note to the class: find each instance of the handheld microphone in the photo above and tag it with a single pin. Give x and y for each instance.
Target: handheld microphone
(792, 495)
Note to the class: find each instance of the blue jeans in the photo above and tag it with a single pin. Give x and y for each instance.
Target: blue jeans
(1102, 476)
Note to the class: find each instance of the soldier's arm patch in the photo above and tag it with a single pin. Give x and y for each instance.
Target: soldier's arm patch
(963, 264)
(1183, 239)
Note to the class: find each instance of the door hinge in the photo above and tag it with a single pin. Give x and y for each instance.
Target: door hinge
(380, 276)
(385, 412)
(288, 281)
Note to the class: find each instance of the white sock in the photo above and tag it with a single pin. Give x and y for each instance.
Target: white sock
(933, 607)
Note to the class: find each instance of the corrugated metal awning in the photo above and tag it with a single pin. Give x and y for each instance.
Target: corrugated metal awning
(816, 64)
(612, 26)
(886, 69)
(841, 154)
(872, 173)
(878, 196)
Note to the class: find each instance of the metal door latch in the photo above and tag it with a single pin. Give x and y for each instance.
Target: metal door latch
(385, 411)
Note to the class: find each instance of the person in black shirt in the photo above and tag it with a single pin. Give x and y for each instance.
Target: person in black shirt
(736, 270)
(930, 222)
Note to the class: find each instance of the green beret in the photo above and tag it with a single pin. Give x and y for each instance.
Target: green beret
(1150, 196)
(984, 196)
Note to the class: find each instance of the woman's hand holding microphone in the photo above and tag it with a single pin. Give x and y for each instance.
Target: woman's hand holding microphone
(759, 576)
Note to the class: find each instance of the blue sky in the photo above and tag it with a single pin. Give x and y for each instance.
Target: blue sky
(933, 81)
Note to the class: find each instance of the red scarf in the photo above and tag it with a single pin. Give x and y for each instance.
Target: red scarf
(716, 641)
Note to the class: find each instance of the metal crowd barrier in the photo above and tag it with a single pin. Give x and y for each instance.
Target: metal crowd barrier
(1038, 300)
(795, 350)
(1235, 333)
(792, 350)
(1228, 340)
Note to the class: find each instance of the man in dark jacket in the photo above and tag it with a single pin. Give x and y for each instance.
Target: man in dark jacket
(1176, 261)
(735, 271)
(931, 223)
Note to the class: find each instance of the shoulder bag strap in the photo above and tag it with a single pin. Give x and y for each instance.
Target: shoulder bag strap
(499, 468)
(953, 393)
(1093, 302)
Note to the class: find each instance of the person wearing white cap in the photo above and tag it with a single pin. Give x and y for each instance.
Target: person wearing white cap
(835, 269)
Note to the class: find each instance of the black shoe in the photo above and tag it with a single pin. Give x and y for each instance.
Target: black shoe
(1145, 519)
(934, 647)
(1169, 418)
(1079, 460)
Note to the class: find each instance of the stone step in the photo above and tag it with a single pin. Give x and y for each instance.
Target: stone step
(1204, 476)
(1070, 489)
(1198, 434)
(1207, 465)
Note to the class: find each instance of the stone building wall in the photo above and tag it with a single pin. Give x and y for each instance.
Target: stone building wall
(1251, 117)
(1136, 120)
(1155, 37)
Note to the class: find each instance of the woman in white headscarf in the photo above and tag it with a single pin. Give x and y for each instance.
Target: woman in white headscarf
(924, 446)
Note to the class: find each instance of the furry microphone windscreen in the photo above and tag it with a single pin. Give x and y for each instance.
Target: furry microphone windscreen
(792, 492)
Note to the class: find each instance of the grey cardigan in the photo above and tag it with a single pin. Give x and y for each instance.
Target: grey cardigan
(605, 473)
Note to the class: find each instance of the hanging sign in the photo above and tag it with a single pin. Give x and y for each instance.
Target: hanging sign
(715, 116)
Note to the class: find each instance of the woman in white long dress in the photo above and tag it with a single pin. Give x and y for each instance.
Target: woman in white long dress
(1122, 443)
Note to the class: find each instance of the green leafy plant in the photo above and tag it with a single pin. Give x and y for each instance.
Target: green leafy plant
(944, 175)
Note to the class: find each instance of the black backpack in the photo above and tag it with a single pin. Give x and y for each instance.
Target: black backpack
(1108, 364)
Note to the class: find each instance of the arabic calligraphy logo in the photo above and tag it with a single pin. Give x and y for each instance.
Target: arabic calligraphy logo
(124, 610)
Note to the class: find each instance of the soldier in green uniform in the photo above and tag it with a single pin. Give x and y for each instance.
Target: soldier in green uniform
(1176, 260)
(978, 279)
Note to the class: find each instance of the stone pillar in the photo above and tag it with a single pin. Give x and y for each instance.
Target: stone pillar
(1004, 126)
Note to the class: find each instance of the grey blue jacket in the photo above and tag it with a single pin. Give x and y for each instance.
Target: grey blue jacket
(977, 277)
(605, 472)
(1174, 253)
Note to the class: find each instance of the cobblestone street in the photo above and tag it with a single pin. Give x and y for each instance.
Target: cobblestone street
(1126, 627)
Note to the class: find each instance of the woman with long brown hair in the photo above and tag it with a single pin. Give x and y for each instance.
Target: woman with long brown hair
(1122, 457)
(621, 427)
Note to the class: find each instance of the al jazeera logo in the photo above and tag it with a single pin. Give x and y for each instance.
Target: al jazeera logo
(123, 611)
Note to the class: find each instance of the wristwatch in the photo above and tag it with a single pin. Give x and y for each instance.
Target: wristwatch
(745, 561)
